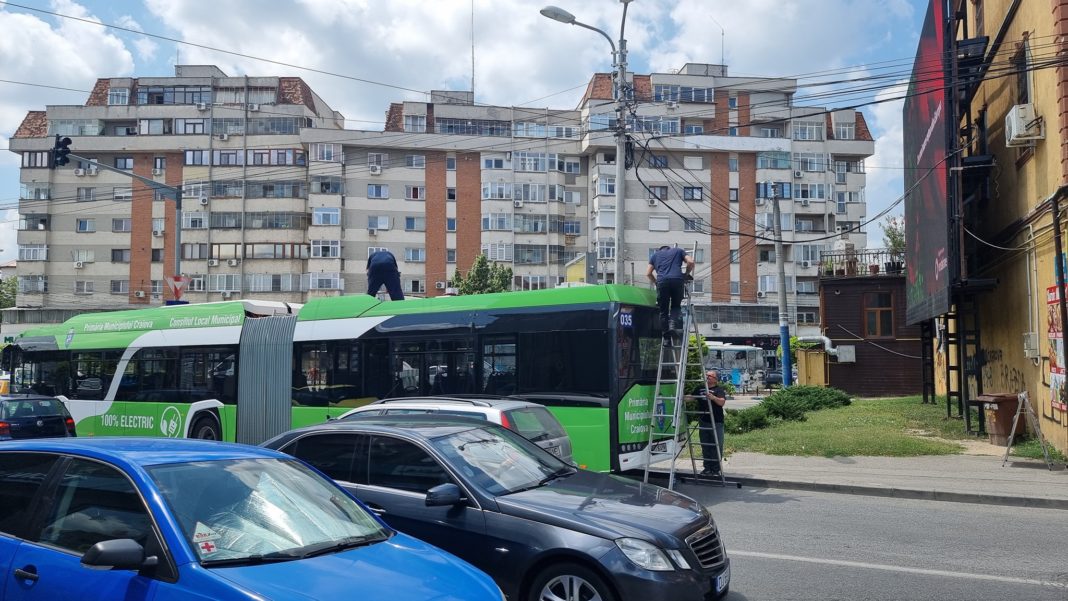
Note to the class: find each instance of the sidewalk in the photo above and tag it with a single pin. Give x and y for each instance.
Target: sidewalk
(959, 478)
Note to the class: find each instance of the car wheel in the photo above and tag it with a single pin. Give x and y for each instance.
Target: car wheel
(205, 427)
(569, 582)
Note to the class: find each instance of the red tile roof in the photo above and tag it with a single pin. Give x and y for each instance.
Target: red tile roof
(35, 125)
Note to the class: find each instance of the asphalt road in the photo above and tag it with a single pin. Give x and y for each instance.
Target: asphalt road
(800, 545)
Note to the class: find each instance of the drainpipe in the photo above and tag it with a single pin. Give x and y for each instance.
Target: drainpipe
(828, 346)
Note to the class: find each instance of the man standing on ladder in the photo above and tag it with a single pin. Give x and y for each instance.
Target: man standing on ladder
(665, 271)
(711, 448)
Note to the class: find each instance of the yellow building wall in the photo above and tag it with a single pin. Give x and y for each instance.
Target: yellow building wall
(1020, 183)
(576, 272)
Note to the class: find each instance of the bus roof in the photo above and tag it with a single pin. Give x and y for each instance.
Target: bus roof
(117, 329)
(340, 307)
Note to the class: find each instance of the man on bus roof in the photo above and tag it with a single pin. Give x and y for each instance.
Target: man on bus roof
(665, 271)
(382, 270)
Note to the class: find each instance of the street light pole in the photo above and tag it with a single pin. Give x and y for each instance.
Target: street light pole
(619, 95)
(784, 315)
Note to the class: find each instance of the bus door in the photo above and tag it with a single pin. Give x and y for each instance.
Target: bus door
(148, 386)
(91, 376)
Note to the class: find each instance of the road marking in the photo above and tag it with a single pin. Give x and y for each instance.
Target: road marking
(890, 568)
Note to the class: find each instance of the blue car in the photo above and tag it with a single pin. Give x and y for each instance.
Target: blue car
(155, 519)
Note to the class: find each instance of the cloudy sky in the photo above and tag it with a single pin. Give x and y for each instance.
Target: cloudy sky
(360, 55)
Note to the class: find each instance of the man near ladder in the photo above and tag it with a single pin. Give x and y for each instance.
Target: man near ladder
(711, 448)
(665, 271)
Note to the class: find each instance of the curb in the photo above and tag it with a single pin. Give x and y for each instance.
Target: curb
(905, 493)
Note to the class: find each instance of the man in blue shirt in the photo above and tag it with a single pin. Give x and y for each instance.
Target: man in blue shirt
(382, 269)
(665, 271)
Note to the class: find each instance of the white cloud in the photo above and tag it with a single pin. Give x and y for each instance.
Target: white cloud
(146, 47)
(885, 177)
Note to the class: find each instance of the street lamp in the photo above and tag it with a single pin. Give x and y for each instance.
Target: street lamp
(619, 65)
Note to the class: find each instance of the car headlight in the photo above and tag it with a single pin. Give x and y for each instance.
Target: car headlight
(677, 557)
(644, 554)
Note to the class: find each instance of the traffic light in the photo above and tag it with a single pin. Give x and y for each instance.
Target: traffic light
(60, 152)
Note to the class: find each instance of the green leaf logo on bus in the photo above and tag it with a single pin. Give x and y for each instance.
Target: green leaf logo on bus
(170, 423)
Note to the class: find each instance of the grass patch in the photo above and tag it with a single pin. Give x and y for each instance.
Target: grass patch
(1030, 449)
(876, 427)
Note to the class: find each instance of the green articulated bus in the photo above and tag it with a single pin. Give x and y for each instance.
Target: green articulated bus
(246, 370)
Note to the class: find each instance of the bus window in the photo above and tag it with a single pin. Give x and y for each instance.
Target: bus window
(46, 373)
(93, 371)
(209, 373)
(498, 365)
(572, 361)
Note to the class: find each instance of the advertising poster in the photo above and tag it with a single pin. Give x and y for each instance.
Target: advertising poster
(1055, 349)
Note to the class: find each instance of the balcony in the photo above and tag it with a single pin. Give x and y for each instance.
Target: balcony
(861, 263)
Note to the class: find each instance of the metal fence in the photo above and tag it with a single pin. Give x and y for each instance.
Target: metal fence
(855, 263)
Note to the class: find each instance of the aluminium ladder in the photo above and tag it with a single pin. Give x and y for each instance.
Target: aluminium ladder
(668, 414)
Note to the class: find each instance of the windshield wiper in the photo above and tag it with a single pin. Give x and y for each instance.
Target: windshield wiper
(249, 560)
(477, 441)
(560, 473)
(350, 542)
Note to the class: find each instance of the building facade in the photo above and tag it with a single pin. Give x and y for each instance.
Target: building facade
(281, 203)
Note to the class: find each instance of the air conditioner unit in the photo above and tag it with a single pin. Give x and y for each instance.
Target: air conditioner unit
(761, 294)
(92, 170)
(157, 171)
(139, 294)
(517, 204)
(672, 105)
(372, 231)
(805, 202)
(439, 285)
(253, 107)
(374, 169)
(652, 202)
(213, 262)
(224, 137)
(79, 264)
(806, 264)
(202, 106)
(203, 201)
(226, 294)
(798, 174)
(79, 172)
(715, 326)
(760, 202)
(157, 233)
(233, 262)
(1022, 127)
(840, 229)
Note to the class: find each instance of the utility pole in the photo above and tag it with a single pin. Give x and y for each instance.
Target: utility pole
(784, 315)
(621, 148)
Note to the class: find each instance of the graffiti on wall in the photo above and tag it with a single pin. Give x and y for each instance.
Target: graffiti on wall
(1000, 376)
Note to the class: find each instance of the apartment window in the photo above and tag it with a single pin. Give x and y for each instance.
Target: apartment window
(414, 224)
(658, 192)
(766, 256)
(768, 283)
(197, 157)
(33, 252)
(84, 226)
(325, 249)
(159, 224)
(606, 186)
(33, 283)
(773, 160)
(496, 191)
(770, 132)
(120, 286)
(415, 124)
(84, 255)
(35, 159)
(494, 164)
(326, 216)
(699, 255)
(694, 129)
(415, 161)
(497, 222)
(693, 225)
(450, 224)
(878, 315)
(450, 255)
(806, 317)
(732, 194)
(195, 220)
(417, 287)
(736, 255)
(84, 286)
(693, 193)
(732, 225)
(845, 131)
(157, 255)
(324, 281)
(156, 287)
(415, 255)
(732, 102)
(450, 194)
(190, 126)
(415, 192)
(736, 288)
(378, 222)
(657, 161)
(121, 225)
(808, 130)
(159, 163)
(330, 153)
(154, 127)
(119, 96)
(224, 282)
(732, 131)
(86, 194)
(659, 224)
(120, 255)
(124, 162)
(194, 251)
(377, 191)
(377, 159)
(732, 163)
(450, 163)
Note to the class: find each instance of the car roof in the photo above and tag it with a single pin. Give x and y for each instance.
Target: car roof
(426, 426)
(141, 451)
(485, 401)
(26, 397)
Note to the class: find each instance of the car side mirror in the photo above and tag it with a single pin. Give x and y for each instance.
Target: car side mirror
(443, 495)
(118, 554)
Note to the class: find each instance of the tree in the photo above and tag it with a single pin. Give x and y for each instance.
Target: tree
(894, 236)
(484, 278)
(9, 287)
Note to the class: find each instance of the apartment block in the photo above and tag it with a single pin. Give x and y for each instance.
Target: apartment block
(280, 202)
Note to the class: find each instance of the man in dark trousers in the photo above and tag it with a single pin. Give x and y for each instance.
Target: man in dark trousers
(665, 270)
(717, 397)
(382, 269)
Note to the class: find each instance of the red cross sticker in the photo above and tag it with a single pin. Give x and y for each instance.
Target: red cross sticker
(207, 547)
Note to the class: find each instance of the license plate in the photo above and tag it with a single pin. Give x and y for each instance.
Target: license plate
(554, 450)
(659, 447)
(723, 580)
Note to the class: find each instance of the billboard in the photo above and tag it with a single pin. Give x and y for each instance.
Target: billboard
(926, 208)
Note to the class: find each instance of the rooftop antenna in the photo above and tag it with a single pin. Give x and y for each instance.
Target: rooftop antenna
(472, 51)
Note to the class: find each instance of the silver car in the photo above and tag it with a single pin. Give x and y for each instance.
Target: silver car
(531, 420)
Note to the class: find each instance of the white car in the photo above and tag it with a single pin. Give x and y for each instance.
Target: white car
(531, 420)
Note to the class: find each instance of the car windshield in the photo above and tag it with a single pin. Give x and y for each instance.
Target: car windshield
(251, 510)
(498, 460)
(535, 423)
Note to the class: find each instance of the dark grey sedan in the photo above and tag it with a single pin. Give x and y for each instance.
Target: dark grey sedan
(32, 416)
(543, 529)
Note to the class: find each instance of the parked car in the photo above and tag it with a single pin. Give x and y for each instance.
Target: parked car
(33, 416)
(542, 528)
(161, 519)
(532, 420)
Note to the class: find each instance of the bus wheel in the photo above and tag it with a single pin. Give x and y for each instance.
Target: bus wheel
(205, 427)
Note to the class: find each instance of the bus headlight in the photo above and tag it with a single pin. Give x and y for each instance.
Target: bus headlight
(644, 554)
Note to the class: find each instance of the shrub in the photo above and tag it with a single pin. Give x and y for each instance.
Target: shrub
(784, 406)
(815, 398)
(740, 421)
